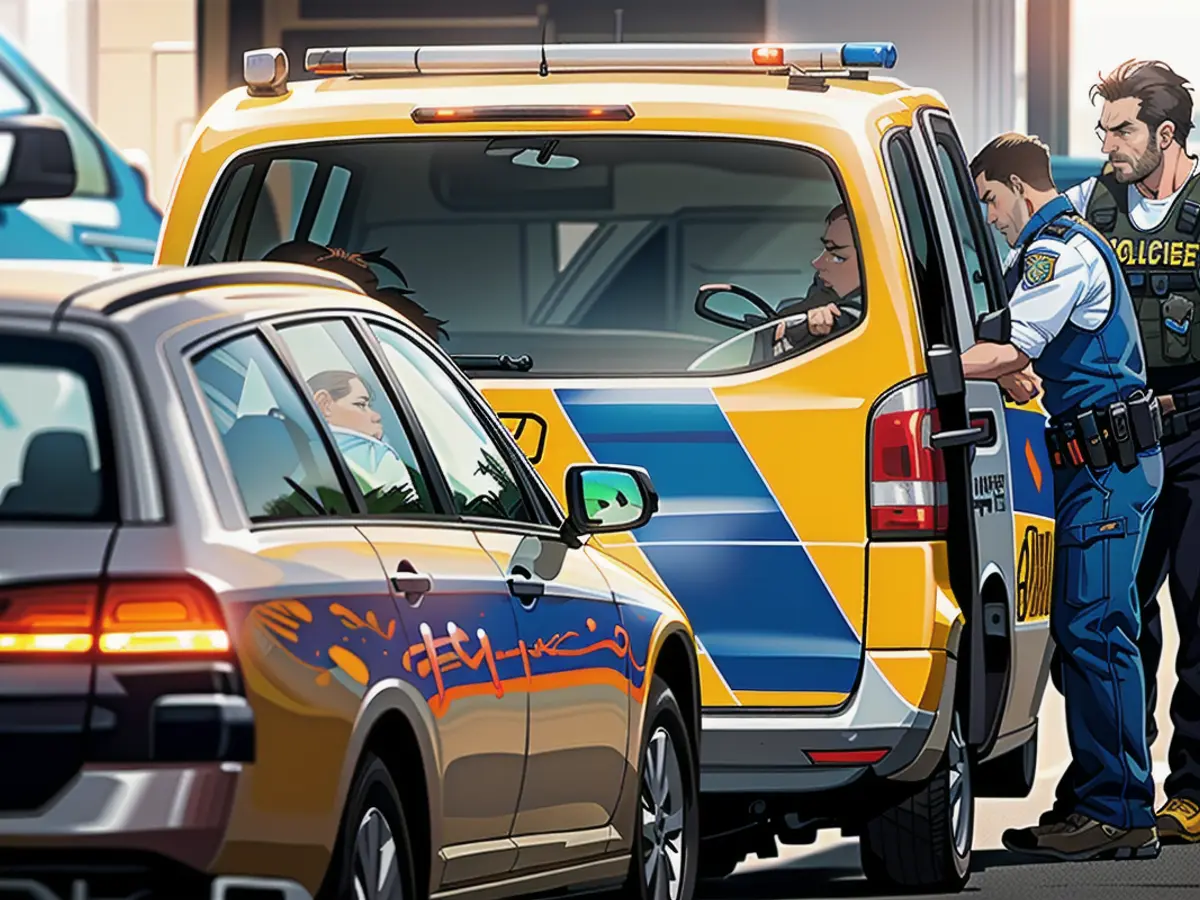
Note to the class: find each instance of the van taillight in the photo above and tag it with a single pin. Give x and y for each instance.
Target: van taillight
(909, 496)
(135, 617)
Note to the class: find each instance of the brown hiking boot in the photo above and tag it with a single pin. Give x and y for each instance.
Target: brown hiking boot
(1179, 822)
(1082, 838)
(1052, 817)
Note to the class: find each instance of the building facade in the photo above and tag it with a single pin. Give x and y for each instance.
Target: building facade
(129, 65)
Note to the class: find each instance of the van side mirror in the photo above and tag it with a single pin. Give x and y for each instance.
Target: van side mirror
(994, 327)
(36, 161)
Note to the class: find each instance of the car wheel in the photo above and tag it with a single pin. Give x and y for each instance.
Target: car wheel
(667, 831)
(373, 857)
(924, 843)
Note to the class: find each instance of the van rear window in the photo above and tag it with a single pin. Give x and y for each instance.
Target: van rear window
(55, 445)
(585, 253)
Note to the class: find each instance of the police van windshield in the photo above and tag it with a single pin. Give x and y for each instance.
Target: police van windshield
(584, 253)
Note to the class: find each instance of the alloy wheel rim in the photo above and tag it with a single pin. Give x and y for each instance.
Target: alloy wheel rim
(960, 789)
(376, 868)
(662, 803)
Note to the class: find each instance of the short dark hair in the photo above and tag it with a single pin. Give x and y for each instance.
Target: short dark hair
(1015, 154)
(337, 383)
(838, 212)
(1165, 95)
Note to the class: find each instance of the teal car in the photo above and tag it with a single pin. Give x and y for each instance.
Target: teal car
(109, 215)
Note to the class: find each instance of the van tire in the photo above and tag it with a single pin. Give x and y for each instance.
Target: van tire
(913, 846)
(1011, 775)
(373, 796)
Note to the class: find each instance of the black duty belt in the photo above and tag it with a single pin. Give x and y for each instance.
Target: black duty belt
(1101, 436)
(1184, 418)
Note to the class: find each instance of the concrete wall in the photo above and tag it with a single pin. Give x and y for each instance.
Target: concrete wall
(146, 80)
(964, 49)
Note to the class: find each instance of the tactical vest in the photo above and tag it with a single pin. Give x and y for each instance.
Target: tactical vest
(1162, 268)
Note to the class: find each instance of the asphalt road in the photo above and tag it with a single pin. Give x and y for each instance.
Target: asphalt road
(830, 868)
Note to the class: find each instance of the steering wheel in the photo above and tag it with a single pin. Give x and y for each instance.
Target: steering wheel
(760, 340)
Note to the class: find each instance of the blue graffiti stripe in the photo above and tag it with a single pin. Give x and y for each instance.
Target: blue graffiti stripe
(1024, 426)
(760, 606)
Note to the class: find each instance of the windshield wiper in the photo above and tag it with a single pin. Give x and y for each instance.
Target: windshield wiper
(306, 496)
(489, 363)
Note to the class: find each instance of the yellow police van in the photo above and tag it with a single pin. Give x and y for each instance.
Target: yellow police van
(750, 270)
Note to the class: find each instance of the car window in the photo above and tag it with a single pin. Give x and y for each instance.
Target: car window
(281, 465)
(13, 101)
(482, 483)
(589, 265)
(55, 450)
(90, 165)
(367, 429)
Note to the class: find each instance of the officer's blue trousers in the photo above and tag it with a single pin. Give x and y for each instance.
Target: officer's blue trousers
(1102, 521)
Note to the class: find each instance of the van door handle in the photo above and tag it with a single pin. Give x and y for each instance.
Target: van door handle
(961, 438)
(523, 586)
(986, 420)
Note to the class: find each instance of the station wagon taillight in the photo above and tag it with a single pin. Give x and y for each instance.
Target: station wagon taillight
(909, 493)
(129, 617)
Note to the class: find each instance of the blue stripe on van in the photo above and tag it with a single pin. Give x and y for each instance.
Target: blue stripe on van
(1027, 427)
(720, 542)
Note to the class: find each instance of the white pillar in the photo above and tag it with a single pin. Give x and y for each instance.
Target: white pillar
(963, 49)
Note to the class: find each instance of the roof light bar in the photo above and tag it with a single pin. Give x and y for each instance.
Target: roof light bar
(528, 58)
(423, 115)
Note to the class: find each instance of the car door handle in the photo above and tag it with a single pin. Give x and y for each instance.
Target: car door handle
(412, 584)
(523, 586)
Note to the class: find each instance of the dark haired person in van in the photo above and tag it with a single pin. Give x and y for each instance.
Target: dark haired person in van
(357, 267)
(1146, 202)
(836, 284)
(1073, 321)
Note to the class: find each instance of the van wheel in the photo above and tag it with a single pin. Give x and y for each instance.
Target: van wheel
(1011, 775)
(667, 831)
(925, 842)
(373, 857)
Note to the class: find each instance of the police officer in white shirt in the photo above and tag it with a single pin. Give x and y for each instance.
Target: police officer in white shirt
(1147, 204)
(1073, 326)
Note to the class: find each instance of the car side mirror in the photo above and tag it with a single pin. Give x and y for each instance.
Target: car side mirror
(607, 499)
(732, 306)
(994, 327)
(36, 160)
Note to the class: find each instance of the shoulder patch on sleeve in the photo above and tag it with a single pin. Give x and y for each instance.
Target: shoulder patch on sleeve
(1039, 268)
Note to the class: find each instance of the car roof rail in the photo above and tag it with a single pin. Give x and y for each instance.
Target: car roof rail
(544, 59)
(113, 295)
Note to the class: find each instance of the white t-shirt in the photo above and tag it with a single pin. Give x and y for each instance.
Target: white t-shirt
(1145, 214)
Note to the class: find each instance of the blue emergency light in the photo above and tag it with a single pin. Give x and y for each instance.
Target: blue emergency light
(876, 55)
